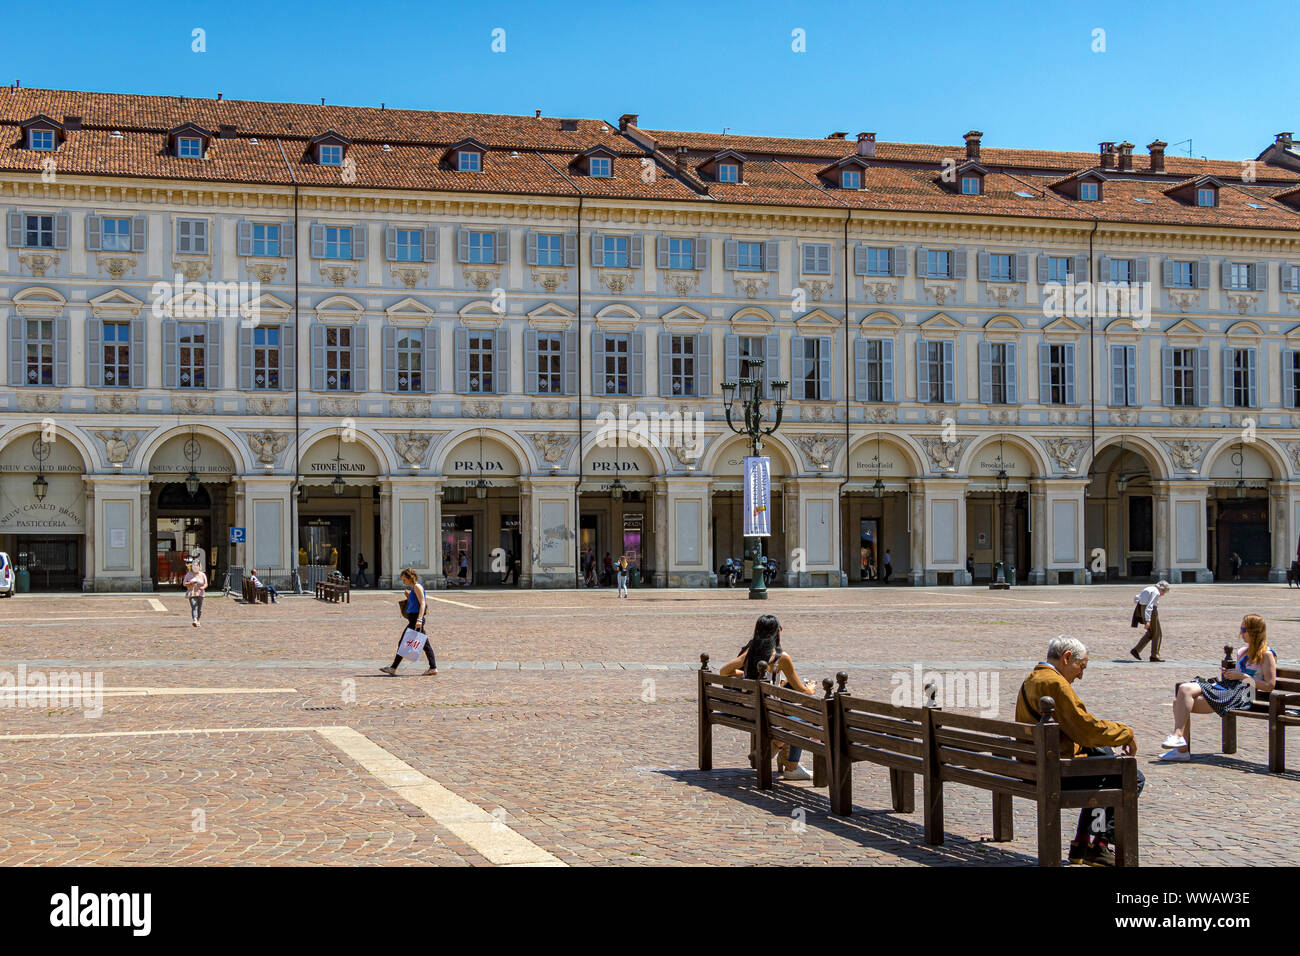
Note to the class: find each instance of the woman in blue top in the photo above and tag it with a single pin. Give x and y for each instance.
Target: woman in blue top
(1235, 689)
(414, 608)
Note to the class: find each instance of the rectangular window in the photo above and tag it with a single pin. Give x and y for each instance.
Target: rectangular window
(682, 370)
(550, 363)
(1060, 362)
(469, 161)
(115, 235)
(266, 356)
(331, 155)
(408, 245)
(935, 373)
(1089, 192)
(550, 249)
(192, 236)
(1239, 379)
(600, 166)
(1239, 275)
(38, 232)
(1059, 269)
(1206, 197)
(266, 239)
(410, 360)
(728, 173)
(999, 373)
(1121, 270)
(851, 179)
(1182, 368)
(479, 356)
(938, 263)
(752, 355)
(681, 254)
(191, 341)
(616, 365)
(1123, 375)
(1182, 275)
(117, 354)
(812, 359)
(970, 185)
(481, 247)
(338, 359)
(615, 252)
(875, 371)
(40, 352)
(1293, 273)
(189, 147)
(817, 258)
(1291, 378)
(879, 262)
(338, 242)
(1000, 268)
(42, 139)
(749, 256)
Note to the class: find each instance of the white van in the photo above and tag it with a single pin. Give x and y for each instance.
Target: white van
(6, 576)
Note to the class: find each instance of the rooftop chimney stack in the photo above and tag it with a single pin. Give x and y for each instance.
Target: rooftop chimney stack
(973, 144)
(1107, 156)
(1284, 140)
(537, 113)
(1157, 156)
(218, 97)
(626, 120)
(866, 144)
(838, 136)
(1126, 157)
(681, 159)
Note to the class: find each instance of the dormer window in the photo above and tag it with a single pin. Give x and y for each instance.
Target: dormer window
(851, 179)
(329, 154)
(189, 147)
(1089, 192)
(1207, 196)
(602, 167)
(728, 173)
(469, 161)
(972, 185)
(41, 139)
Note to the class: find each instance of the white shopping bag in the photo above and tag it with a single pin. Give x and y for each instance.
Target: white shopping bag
(412, 644)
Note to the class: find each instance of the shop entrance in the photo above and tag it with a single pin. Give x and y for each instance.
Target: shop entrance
(1242, 527)
(53, 562)
(325, 541)
(868, 555)
(458, 550)
(182, 528)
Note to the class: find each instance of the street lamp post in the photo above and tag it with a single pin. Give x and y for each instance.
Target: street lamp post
(751, 400)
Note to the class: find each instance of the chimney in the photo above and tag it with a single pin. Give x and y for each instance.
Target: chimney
(866, 144)
(568, 126)
(1283, 140)
(973, 144)
(537, 113)
(626, 120)
(1126, 157)
(72, 123)
(1157, 156)
(218, 97)
(1107, 156)
(838, 136)
(681, 159)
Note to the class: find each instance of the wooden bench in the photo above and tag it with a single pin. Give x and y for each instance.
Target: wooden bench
(1272, 707)
(255, 594)
(870, 731)
(728, 702)
(334, 591)
(1010, 759)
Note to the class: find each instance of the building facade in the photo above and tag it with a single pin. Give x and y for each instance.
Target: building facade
(414, 336)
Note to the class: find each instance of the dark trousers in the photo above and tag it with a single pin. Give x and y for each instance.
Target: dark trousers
(1153, 633)
(411, 618)
(1098, 821)
(889, 572)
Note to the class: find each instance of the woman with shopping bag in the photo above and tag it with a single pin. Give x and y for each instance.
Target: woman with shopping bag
(414, 605)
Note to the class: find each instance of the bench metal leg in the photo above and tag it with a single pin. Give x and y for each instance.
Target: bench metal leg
(1049, 835)
(1229, 734)
(1003, 828)
(902, 790)
(1276, 747)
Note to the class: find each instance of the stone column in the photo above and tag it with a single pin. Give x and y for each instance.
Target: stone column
(916, 536)
(1038, 536)
(1162, 548)
(88, 581)
(390, 548)
(242, 558)
(1007, 515)
(525, 533)
(660, 506)
(146, 537)
(791, 511)
(1277, 522)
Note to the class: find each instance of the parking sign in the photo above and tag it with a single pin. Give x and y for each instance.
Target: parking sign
(236, 535)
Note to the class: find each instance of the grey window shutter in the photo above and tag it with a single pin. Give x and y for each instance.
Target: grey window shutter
(730, 254)
(898, 261)
(809, 257)
(1103, 269)
(212, 355)
(501, 246)
(922, 261)
(1229, 355)
(1167, 276)
(570, 248)
(824, 369)
(949, 380)
(959, 263)
(530, 354)
(731, 357)
(17, 349)
(771, 362)
(1252, 371)
(1202, 377)
(288, 357)
(986, 372)
(94, 354)
(1044, 374)
(1261, 276)
(634, 252)
(1286, 284)
(1043, 262)
(860, 260)
(1201, 274)
(1289, 366)
(1080, 268)
(245, 347)
(700, 248)
(287, 248)
(797, 370)
(1069, 374)
(1130, 358)
(430, 360)
(661, 251)
(887, 370)
(982, 265)
(922, 371)
(430, 247)
(861, 379)
(244, 231)
(171, 357)
(1020, 265)
(360, 358)
(15, 230)
(1225, 274)
(703, 364)
(571, 361)
(501, 362)
(359, 232)
(597, 250)
(1117, 365)
(462, 361)
(598, 363)
(771, 256)
(389, 342)
(317, 357)
(1167, 374)
(137, 352)
(317, 241)
(1140, 269)
(390, 243)
(636, 363)
(61, 231)
(1013, 376)
(462, 244)
(94, 233)
(665, 364)
(139, 227)
(530, 248)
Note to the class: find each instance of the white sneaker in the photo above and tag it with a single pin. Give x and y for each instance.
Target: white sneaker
(431, 671)
(1175, 756)
(1174, 740)
(798, 773)
(389, 671)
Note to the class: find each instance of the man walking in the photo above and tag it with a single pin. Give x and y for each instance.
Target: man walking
(362, 580)
(1145, 610)
(889, 565)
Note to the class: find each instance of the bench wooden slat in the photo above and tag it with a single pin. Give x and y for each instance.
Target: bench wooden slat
(726, 720)
(856, 705)
(814, 713)
(796, 727)
(987, 781)
(861, 754)
(885, 725)
(1003, 728)
(984, 743)
(733, 696)
(733, 710)
(885, 742)
(735, 683)
(1016, 769)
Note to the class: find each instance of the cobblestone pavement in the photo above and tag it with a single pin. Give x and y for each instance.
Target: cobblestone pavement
(569, 717)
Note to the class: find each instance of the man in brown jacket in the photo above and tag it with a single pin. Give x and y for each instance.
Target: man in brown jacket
(1082, 734)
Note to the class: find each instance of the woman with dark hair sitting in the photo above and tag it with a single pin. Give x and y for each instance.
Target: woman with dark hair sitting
(765, 645)
(1235, 689)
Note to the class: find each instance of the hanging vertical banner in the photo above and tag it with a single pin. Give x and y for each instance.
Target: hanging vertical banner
(758, 498)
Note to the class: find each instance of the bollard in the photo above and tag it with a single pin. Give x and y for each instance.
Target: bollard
(1011, 576)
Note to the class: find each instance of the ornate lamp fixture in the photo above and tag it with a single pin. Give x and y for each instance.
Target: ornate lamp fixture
(480, 486)
(878, 488)
(1003, 479)
(1239, 459)
(193, 451)
(40, 451)
(338, 483)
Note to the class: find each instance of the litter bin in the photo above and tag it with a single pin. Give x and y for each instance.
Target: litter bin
(22, 581)
(635, 577)
(1011, 575)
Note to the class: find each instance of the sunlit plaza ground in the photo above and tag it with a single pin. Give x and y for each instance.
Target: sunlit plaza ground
(562, 727)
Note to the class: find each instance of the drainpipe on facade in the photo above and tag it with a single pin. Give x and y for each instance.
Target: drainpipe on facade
(297, 355)
(1092, 357)
(848, 363)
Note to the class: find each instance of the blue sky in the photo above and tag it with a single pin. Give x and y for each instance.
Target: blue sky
(926, 71)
